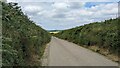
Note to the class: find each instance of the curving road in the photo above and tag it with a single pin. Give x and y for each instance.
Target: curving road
(62, 53)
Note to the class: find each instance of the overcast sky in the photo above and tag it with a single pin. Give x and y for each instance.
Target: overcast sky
(55, 15)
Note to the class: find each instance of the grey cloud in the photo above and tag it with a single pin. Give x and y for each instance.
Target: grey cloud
(59, 16)
(76, 5)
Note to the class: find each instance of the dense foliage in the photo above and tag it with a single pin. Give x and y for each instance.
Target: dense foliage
(101, 34)
(23, 41)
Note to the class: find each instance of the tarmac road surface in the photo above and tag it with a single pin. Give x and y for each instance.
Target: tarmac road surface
(64, 53)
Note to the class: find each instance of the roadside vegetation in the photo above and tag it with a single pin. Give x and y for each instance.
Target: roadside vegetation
(23, 42)
(100, 37)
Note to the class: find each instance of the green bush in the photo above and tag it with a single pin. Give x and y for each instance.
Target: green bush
(21, 37)
(101, 34)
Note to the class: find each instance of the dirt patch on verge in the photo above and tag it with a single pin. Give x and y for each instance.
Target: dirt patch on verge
(45, 59)
(104, 52)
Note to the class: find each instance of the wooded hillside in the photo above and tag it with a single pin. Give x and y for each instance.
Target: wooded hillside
(23, 42)
(103, 35)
